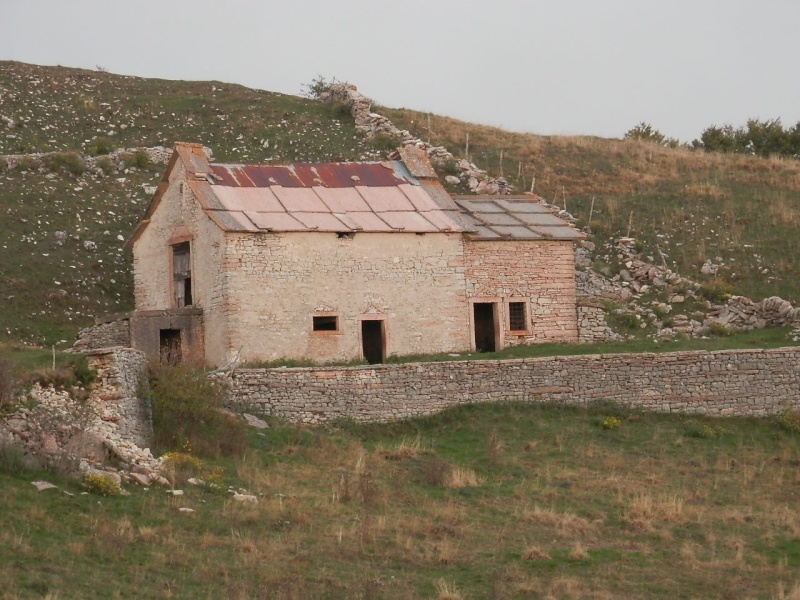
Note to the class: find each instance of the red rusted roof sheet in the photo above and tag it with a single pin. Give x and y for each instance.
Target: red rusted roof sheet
(306, 175)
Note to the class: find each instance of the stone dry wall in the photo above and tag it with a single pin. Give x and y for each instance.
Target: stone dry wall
(106, 333)
(733, 382)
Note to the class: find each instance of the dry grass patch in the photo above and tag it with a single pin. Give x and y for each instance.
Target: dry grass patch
(645, 511)
(460, 477)
(535, 553)
(405, 448)
(447, 591)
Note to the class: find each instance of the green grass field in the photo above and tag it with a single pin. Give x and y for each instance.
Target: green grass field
(493, 501)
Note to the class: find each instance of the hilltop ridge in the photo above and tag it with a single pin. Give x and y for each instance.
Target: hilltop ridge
(730, 221)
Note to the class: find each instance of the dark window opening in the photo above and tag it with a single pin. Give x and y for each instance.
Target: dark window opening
(170, 346)
(372, 341)
(483, 316)
(345, 235)
(326, 323)
(182, 274)
(517, 317)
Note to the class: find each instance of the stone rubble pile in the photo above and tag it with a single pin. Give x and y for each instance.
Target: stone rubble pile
(60, 431)
(374, 124)
(637, 277)
(743, 314)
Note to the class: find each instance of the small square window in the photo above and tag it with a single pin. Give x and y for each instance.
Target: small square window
(326, 323)
(517, 316)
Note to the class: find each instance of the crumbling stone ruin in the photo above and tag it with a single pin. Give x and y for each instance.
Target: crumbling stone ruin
(109, 431)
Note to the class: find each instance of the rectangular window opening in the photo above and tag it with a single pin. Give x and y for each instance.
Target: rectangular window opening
(326, 323)
(517, 316)
(182, 274)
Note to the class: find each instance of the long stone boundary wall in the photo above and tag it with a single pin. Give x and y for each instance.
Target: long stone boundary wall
(733, 382)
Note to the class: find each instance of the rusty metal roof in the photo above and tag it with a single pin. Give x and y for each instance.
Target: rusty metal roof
(513, 217)
(338, 197)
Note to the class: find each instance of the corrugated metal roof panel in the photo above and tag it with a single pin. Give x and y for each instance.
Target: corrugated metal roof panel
(561, 233)
(341, 199)
(320, 221)
(418, 197)
(522, 205)
(493, 218)
(479, 206)
(441, 220)
(368, 221)
(231, 220)
(306, 175)
(248, 198)
(299, 199)
(385, 199)
(407, 221)
(518, 232)
(546, 219)
(485, 232)
(275, 221)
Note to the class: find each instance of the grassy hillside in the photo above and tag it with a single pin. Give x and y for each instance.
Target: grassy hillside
(50, 283)
(741, 211)
(504, 501)
(61, 258)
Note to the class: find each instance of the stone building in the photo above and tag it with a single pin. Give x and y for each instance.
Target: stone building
(334, 262)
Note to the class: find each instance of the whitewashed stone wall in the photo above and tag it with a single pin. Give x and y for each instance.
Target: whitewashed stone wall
(277, 282)
(734, 382)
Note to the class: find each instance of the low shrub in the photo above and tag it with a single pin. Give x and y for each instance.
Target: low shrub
(71, 162)
(188, 413)
(789, 421)
(340, 110)
(138, 159)
(623, 321)
(102, 485)
(610, 423)
(27, 163)
(14, 462)
(716, 329)
(101, 145)
(716, 291)
(106, 165)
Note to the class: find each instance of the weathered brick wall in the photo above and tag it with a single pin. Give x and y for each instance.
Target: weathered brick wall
(277, 282)
(542, 273)
(735, 382)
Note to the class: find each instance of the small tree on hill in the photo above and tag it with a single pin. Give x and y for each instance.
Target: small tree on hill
(646, 133)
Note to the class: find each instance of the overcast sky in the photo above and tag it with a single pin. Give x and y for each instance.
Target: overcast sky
(546, 66)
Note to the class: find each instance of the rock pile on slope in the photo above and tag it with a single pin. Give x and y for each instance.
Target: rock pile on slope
(651, 295)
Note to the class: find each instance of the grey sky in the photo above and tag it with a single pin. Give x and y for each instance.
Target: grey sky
(546, 66)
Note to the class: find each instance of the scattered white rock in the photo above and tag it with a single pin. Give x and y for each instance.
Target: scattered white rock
(44, 485)
(245, 498)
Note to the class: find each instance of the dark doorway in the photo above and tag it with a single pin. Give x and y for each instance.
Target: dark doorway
(372, 341)
(483, 315)
(170, 344)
